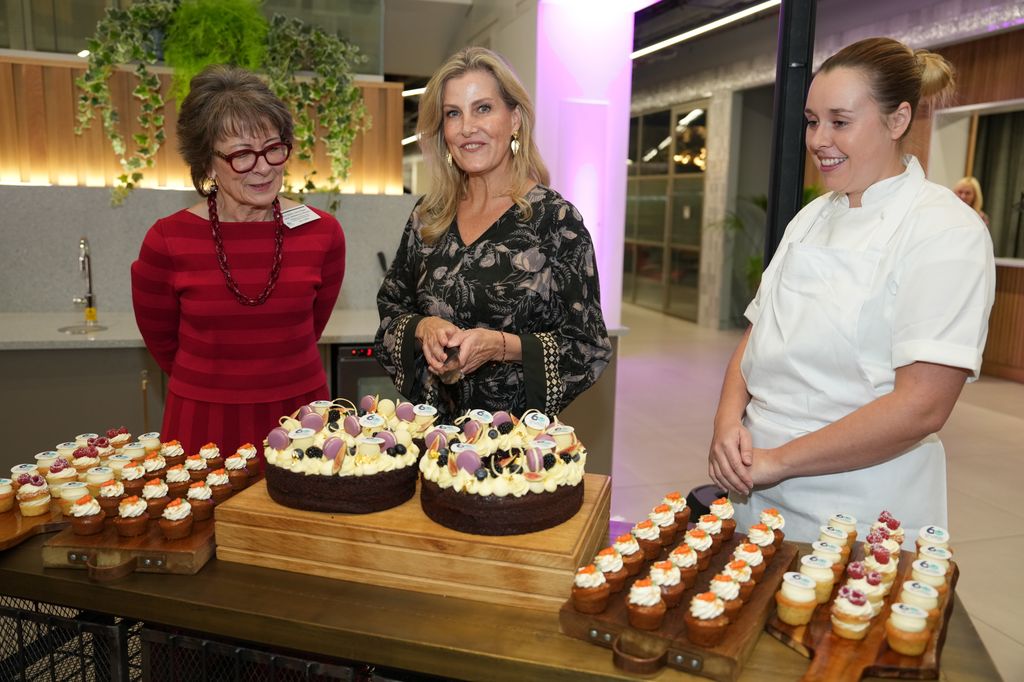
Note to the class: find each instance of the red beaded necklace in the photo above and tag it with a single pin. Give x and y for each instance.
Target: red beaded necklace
(222, 258)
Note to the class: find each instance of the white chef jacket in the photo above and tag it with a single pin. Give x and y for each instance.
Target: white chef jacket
(926, 298)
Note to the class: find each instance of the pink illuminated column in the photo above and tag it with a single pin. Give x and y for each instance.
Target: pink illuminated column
(584, 77)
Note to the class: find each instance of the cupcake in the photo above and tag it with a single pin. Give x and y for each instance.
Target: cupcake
(65, 450)
(119, 437)
(151, 442)
(176, 521)
(84, 459)
(252, 462)
(907, 630)
(727, 589)
(238, 473)
(154, 465)
(84, 439)
(851, 613)
(6, 495)
(111, 494)
(936, 555)
(648, 536)
(590, 590)
(33, 495)
(667, 576)
(773, 519)
(796, 600)
(846, 523)
(632, 556)
(133, 476)
(932, 536)
(678, 505)
(738, 570)
(764, 537)
(880, 560)
(838, 537)
(820, 571)
(723, 509)
(196, 467)
(925, 571)
(154, 492)
(685, 559)
(609, 562)
(701, 543)
(133, 451)
(69, 493)
(751, 553)
(880, 537)
(664, 518)
(117, 463)
(132, 518)
(923, 596)
(173, 453)
(61, 473)
(645, 607)
(891, 525)
(19, 470)
(103, 447)
(201, 498)
(87, 516)
(868, 582)
(96, 477)
(712, 525)
(706, 620)
(833, 553)
(220, 485)
(211, 455)
(178, 481)
(44, 460)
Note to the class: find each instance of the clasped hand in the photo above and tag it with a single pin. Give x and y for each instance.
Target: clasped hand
(476, 346)
(734, 464)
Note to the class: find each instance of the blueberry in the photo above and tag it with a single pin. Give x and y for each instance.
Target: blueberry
(442, 451)
(352, 450)
(299, 453)
(566, 457)
(332, 426)
(442, 459)
(549, 461)
(400, 449)
(361, 412)
(333, 415)
(505, 427)
(493, 433)
(391, 451)
(515, 469)
(576, 457)
(480, 474)
(314, 452)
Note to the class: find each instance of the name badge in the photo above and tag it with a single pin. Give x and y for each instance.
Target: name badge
(298, 215)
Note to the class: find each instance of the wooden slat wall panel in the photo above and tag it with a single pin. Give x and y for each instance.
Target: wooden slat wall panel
(1004, 352)
(38, 99)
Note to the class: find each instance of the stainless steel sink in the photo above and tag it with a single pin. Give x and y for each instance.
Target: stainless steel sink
(84, 328)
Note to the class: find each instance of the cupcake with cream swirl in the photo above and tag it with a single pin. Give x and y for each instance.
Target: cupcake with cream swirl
(665, 519)
(706, 620)
(173, 453)
(677, 503)
(632, 556)
(773, 519)
(609, 562)
(645, 607)
(712, 525)
(685, 559)
(762, 536)
(590, 590)
(723, 509)
(667, 576)
(751, 553)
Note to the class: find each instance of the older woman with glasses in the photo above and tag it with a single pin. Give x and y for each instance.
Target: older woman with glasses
(231, 295)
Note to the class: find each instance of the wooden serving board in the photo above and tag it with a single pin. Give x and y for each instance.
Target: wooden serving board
(108, 556)
(402, 548)
(15, 528)
(834, 658)
(644, 652)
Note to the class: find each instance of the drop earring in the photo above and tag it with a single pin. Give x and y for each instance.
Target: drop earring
(514, 144)
(448, 156)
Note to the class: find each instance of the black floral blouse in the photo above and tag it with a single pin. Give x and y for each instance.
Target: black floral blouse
(536, 278)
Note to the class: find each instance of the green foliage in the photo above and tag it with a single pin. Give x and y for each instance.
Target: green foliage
(205, 32)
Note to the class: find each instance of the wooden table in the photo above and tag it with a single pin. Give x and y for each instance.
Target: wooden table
(408, 630)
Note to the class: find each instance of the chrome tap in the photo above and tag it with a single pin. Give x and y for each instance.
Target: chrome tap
(85, 265)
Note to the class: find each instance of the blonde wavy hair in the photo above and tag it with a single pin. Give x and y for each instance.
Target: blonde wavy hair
(972, 182)
(448, 186)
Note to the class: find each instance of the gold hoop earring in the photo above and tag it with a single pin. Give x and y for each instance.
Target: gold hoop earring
(514, 144)
(448, 156)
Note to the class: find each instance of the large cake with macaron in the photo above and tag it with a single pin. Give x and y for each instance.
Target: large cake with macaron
(494, 474)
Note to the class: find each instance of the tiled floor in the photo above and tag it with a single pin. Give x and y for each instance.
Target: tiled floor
(669, 376)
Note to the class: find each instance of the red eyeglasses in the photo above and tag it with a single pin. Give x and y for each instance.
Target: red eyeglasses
(245, 160)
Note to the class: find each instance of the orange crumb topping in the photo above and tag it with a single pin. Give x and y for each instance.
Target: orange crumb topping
(708, 518)
(721, 500)
(771, 511)
(194, 458)
(176, 502)
(197, 484)
(130, 500)
(643, 582)
(245, 446)
(722, 578)
(172, 443)
(219, 471)
(662, 508)
(588, 569)
(674, 495)
(208, 445)
(759, 526)
(177, 467)
(697, 533)
(624, 538)
(110, 482)
(84, 499)
(750, 547)
(682, 549)
(153, 455)
(738, 565)
(153, 481)
(706, 596)
(607, 551)
(663, 565)
(646, 523)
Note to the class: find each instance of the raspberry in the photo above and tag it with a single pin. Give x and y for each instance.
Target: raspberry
(880, 553)
(855, 570)
(24, 479)
(893, 524)
(59, 464)
(856, 597)
(874, 578)
(884, 516)
(37, 480)
(123, 429)
(111, 433)
(102, 442)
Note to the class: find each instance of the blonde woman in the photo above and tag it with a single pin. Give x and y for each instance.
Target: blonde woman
(969, 191)
(494, 285)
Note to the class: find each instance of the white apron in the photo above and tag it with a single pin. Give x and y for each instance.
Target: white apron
(802, 365)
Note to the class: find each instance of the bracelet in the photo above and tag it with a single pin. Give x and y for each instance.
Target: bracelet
(502, 345)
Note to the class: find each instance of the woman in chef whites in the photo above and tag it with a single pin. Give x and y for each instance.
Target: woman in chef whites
(869, 320)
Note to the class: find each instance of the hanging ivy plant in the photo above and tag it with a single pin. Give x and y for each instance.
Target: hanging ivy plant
(203, 32)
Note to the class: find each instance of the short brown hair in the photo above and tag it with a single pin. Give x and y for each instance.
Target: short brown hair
(897, 74)
(224, 101)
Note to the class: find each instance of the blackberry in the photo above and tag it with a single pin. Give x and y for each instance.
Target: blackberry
(314, 452)
(299, 453)
(492, 433)
(480, 474)
(332, 426)
(391, 451)
(515, 469)
(442, 451)
(549, 461)
(566, 457)
(400, 449)
(576, 457)
(361, 412)
(505, 427)
(352, 450)
(333, 415)
(497, 468)
(442, 459)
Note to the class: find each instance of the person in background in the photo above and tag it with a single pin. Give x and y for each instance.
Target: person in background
(494, 287)
(231, 295)
(868, 321)
(969, 191)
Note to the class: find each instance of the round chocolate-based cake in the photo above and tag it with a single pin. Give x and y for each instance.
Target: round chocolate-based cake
(341, 494)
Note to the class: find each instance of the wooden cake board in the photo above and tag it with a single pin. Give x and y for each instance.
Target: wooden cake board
(646, 652)
(402, 548)
(15, 528)
(842, 660)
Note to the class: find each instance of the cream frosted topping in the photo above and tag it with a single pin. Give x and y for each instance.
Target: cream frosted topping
(30, 490)
(722, 508)
(873, 564)
(892, 546)
(834, 535)
(177, 474)
(683, 556)
(773, 519)
(864, 586)
(209, 452)
(846, 607)
(646, 530)
(827, 550)
(89, 507)
(919, 594)
(234, 463)
(699, 540)
(706, 606)
(120, 440)
(709, 523)
(797, 587)
(218, 477)
(750, 553)
(725, 587)
(933, 535)
(853, 626)
(57, 476)
(132, 508)
(608, 562)
(73, 490)
(132, 472)
(112, 489)
(662, 515)
(588, 577)
(82, 439)
(172, 449)
(644, 593)
(817, 568)
(247, 451)
(665, 573)
(99, 475)
(626, 545)
(178, 510)
(154, 490)
(675, 501)
(896, 534)
(105, 451)
(761, 536)
(195, 463)
(908, 618)
(85, 462)
(151, 464)
(199, 492)
(738, 570)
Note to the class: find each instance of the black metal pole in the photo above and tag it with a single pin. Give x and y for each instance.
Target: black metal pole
(792, 79)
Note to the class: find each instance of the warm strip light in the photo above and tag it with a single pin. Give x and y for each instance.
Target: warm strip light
(84, 53)
(414, 92)
(701, 30)
(409, 140)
